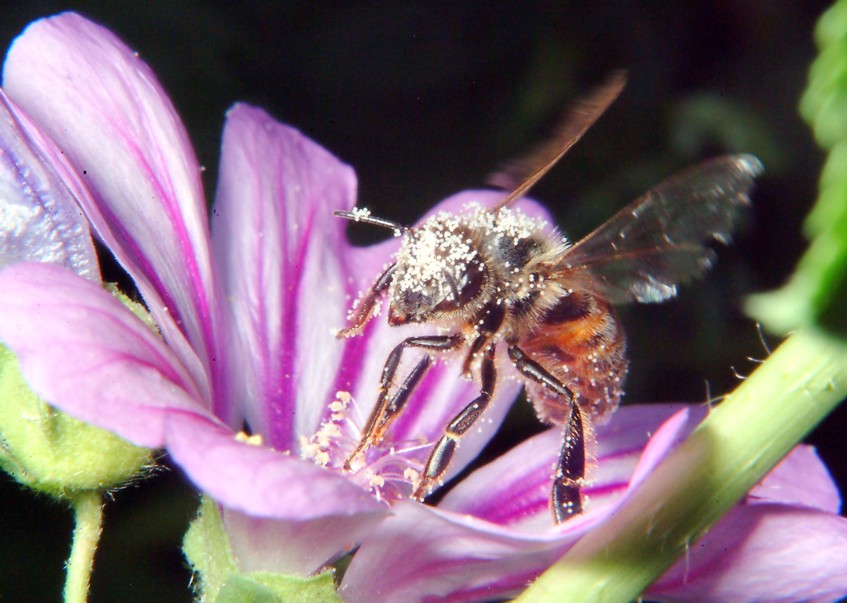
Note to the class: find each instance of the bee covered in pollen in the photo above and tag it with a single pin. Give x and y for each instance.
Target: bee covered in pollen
(491, 277)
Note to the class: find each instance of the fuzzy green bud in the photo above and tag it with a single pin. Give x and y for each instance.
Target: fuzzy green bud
(54, 453)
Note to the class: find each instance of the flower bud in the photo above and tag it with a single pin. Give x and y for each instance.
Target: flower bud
(54, 453)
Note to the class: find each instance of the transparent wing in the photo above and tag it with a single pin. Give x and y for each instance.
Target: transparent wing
(659, 241)
(522, 174)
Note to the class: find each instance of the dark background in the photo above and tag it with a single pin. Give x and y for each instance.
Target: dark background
(424, 99)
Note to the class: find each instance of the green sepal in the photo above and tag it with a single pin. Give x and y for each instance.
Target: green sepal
(49, 451)
(816, 292)
(219, 580)
(262, 587)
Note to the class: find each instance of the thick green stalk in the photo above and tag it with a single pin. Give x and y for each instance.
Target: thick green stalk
(742, 439)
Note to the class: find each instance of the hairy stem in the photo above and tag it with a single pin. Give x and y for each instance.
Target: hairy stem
(88, 524)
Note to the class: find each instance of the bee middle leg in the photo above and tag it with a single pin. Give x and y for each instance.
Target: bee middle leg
(565, 500)
(439, 458)
(388, 408)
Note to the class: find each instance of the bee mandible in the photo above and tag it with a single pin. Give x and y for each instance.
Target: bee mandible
(490, 277)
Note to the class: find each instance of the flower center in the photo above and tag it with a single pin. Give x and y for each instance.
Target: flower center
(389, 470)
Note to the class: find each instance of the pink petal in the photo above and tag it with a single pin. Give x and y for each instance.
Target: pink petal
(83, 351)
(259, 480)
(802, 479)
(109, 115)
(294, 547)
(515, 489)
(763, 553)
(422, 554)
(40, 220)
(284, 258)
(447, 554)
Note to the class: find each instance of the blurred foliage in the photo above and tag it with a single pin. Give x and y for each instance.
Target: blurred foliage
(816, 293)
(424, 99)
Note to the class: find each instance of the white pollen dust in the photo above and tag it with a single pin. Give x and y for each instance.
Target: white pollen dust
(435, 255)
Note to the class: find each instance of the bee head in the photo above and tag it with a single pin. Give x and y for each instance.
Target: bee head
(439, 272)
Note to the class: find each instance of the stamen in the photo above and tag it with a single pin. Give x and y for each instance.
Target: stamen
(389, 470)
(252, 440)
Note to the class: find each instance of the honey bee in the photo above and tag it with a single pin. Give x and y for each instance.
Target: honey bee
(490, 277)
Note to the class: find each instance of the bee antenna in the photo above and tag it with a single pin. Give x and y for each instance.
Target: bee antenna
(362, 215)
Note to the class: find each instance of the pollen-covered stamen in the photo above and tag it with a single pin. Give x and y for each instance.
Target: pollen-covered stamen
(323, 446)
(388, 471)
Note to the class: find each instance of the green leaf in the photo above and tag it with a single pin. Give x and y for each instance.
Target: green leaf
(816, 292)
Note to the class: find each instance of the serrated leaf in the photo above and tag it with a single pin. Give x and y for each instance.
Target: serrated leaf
(207, 548)
(263, 587)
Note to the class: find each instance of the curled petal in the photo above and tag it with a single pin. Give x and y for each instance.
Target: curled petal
(514, 490)
(283, 256)
(105, 109)
(84, 352)
(786, 544)
(801, 479)
(40, 220)
(294, 547)
(758, 553)
(258, 480)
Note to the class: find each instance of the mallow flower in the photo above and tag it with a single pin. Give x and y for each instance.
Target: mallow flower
(245, 316)
(247, 389)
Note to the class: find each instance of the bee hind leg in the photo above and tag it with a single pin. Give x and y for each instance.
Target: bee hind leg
(565, 501)
(570, 470)
(439, 458)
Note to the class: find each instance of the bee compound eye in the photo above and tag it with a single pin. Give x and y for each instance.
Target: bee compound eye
(465, 290)
(410, 306)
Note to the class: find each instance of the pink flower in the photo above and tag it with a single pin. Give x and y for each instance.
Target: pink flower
(245, 315)
(245, 318)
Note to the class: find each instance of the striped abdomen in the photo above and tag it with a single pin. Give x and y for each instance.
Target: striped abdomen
(581, 343)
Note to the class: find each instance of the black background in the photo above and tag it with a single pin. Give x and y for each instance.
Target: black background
(424, 99)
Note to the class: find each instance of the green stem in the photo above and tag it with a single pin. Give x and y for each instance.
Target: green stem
(740, 441)
(88, 512)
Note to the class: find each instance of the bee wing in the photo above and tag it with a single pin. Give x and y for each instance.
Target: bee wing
(659, 240)
(522, 174)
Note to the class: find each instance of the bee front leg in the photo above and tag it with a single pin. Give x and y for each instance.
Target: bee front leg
(388, 408)
(565, 500)
(364, 310)
(439, 458)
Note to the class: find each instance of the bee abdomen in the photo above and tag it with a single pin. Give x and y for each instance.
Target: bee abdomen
(580, 341)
